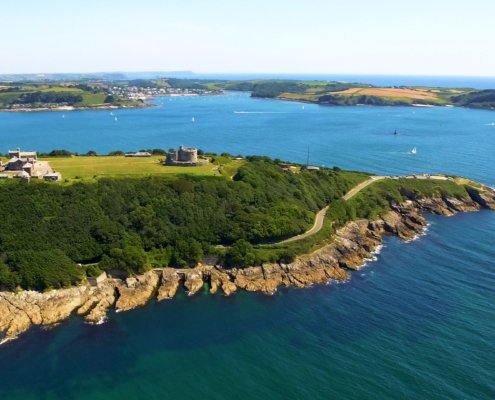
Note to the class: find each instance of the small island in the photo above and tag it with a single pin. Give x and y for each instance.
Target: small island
(118, 231)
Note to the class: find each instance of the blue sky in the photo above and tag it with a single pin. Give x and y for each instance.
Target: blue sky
(434, 37)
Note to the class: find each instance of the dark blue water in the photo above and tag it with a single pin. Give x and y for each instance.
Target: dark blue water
(418, 323)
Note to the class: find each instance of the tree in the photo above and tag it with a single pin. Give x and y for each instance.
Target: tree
(8, 280)
(241, 253)
(130, 259)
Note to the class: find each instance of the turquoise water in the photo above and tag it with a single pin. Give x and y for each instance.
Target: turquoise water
(417, 323)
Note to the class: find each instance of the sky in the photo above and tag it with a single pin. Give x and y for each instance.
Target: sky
(399, 37)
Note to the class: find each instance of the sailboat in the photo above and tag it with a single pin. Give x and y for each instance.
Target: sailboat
(115, 119)
(414, 151)
(111, 113)
(193, 120)
(302, 107)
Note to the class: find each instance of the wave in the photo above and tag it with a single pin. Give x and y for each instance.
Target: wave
(100, 322)
(424, 232)
(373, 256)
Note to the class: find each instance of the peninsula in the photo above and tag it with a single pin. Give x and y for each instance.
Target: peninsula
(108, 94)
(87, 94)
(97, 242)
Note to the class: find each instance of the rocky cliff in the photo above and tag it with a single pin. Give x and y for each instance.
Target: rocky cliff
(348, 250)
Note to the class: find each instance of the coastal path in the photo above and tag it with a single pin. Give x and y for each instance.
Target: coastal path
(320, 215)
(319, 218)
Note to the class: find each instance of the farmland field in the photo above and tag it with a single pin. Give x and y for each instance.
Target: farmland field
(391, 92)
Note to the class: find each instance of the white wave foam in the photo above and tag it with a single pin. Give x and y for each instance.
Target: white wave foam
(3, 341)
(424, 232)
(100, 322)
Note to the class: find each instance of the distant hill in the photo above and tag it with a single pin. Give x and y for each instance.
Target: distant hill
(107, 76)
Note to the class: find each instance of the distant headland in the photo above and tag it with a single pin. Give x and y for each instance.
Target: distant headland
(98, 94)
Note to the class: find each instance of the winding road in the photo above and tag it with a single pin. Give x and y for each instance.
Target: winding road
(320, 215)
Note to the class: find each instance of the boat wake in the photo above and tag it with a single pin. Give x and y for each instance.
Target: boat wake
(261, 112)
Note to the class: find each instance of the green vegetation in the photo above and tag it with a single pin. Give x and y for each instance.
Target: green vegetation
(238, 209)
(370, 203)
(21, 95)
(89, 168)
(135, 223)
(376, 199)
(476, 99)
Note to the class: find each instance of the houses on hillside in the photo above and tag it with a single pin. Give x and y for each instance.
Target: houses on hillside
(25, 165)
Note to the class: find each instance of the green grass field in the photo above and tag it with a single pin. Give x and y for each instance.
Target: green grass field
(91, 168)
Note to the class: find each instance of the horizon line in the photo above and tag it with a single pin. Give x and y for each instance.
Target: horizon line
(190, 72)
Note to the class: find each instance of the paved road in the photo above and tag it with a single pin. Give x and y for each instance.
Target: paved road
(320, 215)
(319, 218)
(356, 189)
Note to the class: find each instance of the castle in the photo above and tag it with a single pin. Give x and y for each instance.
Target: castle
(25, 165)
(185, 156)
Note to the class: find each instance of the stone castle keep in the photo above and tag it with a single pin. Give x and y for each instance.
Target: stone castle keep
(185, 156)
(25, 165)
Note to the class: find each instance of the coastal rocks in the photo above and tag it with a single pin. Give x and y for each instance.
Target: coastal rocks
(349, 249)
(193, 281)
(169, 283)
(98, 302)
(265, 279)
(485, 197)
(136, 291)
(219, 279)
(19, 311)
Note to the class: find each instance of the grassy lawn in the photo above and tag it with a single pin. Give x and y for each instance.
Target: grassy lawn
(58, 89)
(90, 99)
(90, 168)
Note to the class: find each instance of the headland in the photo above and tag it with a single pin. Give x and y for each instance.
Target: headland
(363, 210)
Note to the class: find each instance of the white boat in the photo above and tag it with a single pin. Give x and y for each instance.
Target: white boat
(414, 151)
(303, 107)
(111, 113)
(193, 120)
(115, 119)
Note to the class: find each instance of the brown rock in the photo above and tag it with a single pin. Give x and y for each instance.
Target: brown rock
(193, 281)
(221, 279)
(137, 291)
(169, 284)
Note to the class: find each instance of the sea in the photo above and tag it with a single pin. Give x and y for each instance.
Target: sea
(416, 323)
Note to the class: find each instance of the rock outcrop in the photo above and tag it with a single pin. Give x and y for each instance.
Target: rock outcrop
(169, 284)
(351, 246)
(136, 291)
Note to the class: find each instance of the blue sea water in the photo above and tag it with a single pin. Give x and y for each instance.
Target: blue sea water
(418, 323)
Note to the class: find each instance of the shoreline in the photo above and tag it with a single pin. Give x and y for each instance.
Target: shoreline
(145, 104)
(352, 248)
(72, 108)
